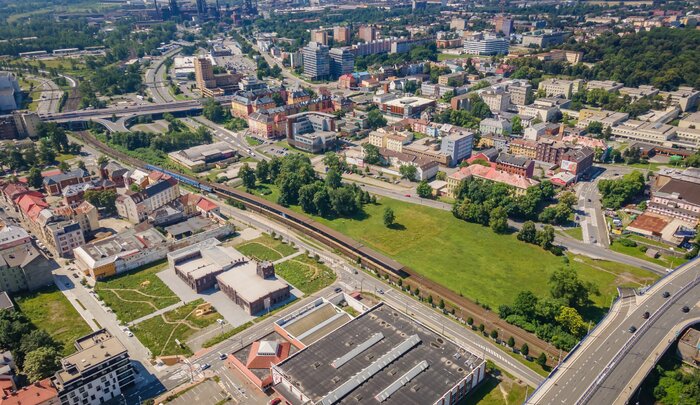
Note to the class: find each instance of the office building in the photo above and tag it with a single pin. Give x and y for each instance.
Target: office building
(544, 38)
(10, 92)
(98, 372)
(316, 61)
(368, 33)
(382, 356)
(210, 84)
(489, 45)
(457, 146)
(342, 61)
(560, 87)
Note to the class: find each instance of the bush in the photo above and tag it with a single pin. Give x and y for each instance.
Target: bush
(643, 249)
(627, 242)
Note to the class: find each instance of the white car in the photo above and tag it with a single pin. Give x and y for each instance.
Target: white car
(129, 334)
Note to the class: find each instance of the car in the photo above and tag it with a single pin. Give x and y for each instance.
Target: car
(275, 401)
(685, 309)
(380, 291)
(129, 334)
(589, 200)
(408, 195)
(205, 366)
(666, 294)
(75, 275)
(220, 321)
(222, 356)
(338, 289)
(632, 329)
(645, 315)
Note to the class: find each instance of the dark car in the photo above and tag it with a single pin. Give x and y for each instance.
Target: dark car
(632, 329)
(275, 401)
(645, 315)
(685, 308)
(338, 289)
(666, 294)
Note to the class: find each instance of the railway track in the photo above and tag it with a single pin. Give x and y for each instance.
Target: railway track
(351, 248)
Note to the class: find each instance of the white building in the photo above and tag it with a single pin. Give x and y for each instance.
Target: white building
(489, 45)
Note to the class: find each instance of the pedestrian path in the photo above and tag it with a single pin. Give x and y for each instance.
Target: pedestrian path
(157, 313)
(284, 259)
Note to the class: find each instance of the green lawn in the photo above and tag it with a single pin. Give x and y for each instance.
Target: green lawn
(267, 191)
(305, 273)
(471, 259)
(136, 293)
(285, 144)
(51, 311)
(265, 248)
(662, 260)
(493, 391)
(252, 141)
(449, 56)
(576, 233)
(159, 333)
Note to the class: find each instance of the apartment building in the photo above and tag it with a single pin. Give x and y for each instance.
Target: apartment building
(65, 236)
(452, 79)
(523, 147)
(500, 126)
(497, 99)
(136, 205)
(342, 61)
(649, 132)
(98, 372)
(520, 93)
(368, 33)
(320, 36)
(54, 184)
(457, 146)
(341, 35)
(22, 266)
(513, 164)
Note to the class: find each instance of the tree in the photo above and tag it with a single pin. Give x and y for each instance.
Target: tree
(102, 161)
(572, 321)
(36, 339)
(528, 232)
(247, 176)
(441, 304)
(511, 342)
(525, 349)
(375, 119)
(41, 363)
(542, 360)
(545, 237)
(565, 284)
(481, 327)
(430, 299)
(498, 220)
(104, 199)
(371, 154)
(424, 190)
(389, 217)
(213, 111)
(35, 179)
(81, 165)
(595, 127)
(333, 178)
(262, 171)
(408, 172)
(494, 334)
(64, 167)
(517, 124)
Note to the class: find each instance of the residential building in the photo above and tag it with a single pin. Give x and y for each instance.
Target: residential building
(458, 24)
(577, 161)
(266, 125)
(38, 393)
(22, 266)
(426, 166)
(341, 35)
(74, 194)
(498, 142)
(98, 372)
(64, 236)
(523, 147)
(606, 118)
(607, 85)
(488, 46)
(320, 36)
(649, 132)
(520, 93)
(114, 172)
(407, 107)
(335, 367)
(54, 184)
(457, 146)
(19, 125)
(201, 157)
(544, 38)
(316, 61)
(560, 87)
(519, 183)
(136, 205)
(452, 79)
(500, 126)
(342, 61)
(368, 33)
(503, 25)
(513, 164)
(497, 99)
(689, 347)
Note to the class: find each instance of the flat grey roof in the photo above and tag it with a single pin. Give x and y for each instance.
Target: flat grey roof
(312, 372)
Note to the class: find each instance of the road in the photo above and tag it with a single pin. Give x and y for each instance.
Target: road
(155, 79)
(50, 97)
(593, 224)
(607, 360)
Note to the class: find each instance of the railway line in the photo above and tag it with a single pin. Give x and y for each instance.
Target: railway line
(350, 247)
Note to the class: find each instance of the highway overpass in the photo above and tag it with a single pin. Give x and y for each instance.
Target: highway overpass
(608, 364)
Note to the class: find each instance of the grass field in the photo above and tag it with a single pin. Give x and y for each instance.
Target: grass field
(159, 333)
(449, 56)
(471, 259)
(252, 141)
(495, 391)
(136, 293)
(51, 311)
(576, 233)
(265, 248)
(305, 273)
(662, 260)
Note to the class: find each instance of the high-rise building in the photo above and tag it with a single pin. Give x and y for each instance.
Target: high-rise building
(489, 45)
(316, 61)
(320, 36)
(341, 35)
(174, 9)
(202, 7)
(503, 24)
(204, 74)
(342, 61)
(368, 33)
(10, 92)
(97, 373)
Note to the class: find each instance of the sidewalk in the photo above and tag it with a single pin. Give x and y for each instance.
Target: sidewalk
(157, 313)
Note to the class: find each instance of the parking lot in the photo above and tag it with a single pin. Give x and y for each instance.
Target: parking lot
(208, 392)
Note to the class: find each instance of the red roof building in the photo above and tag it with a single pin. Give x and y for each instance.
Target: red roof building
(40, 393)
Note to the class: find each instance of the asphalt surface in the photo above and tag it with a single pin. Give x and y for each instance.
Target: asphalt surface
(155, 79)
(611, 355)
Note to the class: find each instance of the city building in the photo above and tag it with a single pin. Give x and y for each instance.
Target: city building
(10, 92)
(520, 93)
(311, 131)
(54, 184)
(544, 38)
(342, 61)
(22, 266)
(457, 146)
(316, 61)
(406, 107)
(679, 199)
(98, 372)
(606, 118)
(689, 347)
(497, 99)
(341, 35)
(686, 97)
(64, 236)
(500, 126)
(211, 84)
(136, 205)
(487, 46)
(19, 125)
(523, 147)
(383, 356)
(513, 164)
(650, 132)
(560, 87)
(202, 157)
(607, 85)
(635, 93)
(458, 24)
(452, 79)
(503, 25)
(519, 183)
(38, 393)
(368, 33)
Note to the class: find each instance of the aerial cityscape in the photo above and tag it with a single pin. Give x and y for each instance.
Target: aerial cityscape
(294, 202)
